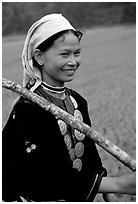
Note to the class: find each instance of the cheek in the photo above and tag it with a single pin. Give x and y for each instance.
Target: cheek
(49, 62)
(78, 62)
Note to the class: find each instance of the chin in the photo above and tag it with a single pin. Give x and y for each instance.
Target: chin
(66, 79)
(69, 79)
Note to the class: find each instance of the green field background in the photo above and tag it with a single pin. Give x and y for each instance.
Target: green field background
(106, 78)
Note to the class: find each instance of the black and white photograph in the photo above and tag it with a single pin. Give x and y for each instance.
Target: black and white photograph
(68, 101)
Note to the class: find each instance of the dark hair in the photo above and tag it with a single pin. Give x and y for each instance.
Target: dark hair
(49, 42)
(44, 46)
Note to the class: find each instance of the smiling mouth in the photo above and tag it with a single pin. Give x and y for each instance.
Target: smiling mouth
(69, 71)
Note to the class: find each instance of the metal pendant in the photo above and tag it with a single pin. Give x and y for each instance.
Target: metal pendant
(68, 142)
(78, 115)
(72, 154)
(79, 149)
(62, 126)
(79, 136)
(77, 164)
(74, 102)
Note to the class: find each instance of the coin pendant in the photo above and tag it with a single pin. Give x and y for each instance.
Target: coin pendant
(72, 154)
(62, 126)
(79, 149)
(74, 102)
(79, 136)
(68, 142)
(77, 164)
(78, 115)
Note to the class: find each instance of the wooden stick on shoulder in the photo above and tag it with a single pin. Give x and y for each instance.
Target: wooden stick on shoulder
(72, 121)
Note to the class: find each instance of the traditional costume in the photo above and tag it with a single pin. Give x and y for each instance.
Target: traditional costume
(44, 159)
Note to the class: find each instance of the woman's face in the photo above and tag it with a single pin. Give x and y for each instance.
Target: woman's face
(61, 60)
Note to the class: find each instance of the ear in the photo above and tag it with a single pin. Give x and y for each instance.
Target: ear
(38, 57)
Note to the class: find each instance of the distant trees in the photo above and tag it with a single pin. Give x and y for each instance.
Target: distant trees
(17, 17)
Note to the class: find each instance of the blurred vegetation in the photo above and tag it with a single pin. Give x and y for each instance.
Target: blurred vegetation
(17, 17)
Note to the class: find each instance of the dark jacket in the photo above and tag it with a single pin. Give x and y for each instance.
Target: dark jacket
(45, 172)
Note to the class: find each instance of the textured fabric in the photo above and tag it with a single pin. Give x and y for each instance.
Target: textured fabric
(36, 162)
(39, 32)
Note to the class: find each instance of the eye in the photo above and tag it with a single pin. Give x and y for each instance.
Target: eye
(77, 54)
(64, 54)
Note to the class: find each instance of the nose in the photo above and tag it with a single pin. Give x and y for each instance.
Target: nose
(72, 61)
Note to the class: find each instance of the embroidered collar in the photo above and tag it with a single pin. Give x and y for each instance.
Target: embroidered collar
(52, 88)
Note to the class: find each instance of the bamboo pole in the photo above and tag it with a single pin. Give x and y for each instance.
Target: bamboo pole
(115, 151)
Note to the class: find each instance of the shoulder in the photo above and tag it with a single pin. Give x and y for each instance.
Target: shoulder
(23, 102)
(82, 105)
(23, 105)
(26, 111)
(78, 97)
(81, 101)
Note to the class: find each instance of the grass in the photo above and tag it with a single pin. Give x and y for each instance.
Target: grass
(106, 78)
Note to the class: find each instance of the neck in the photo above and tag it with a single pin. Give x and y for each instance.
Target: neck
(49, 82)
(53, 89)
(58, 92)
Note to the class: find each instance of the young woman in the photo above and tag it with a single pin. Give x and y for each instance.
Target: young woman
(44, 159)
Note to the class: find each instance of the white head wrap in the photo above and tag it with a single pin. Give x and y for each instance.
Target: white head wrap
(38, 33)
